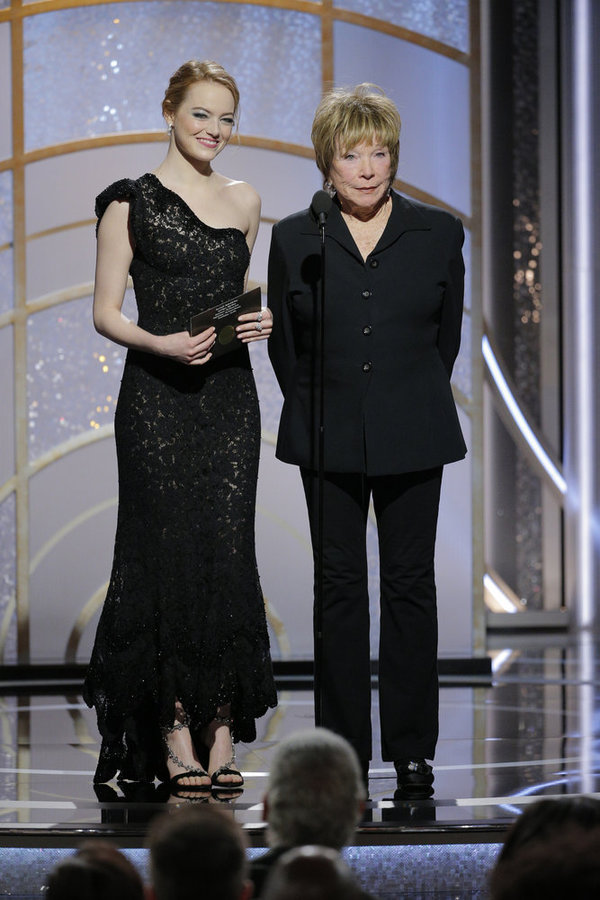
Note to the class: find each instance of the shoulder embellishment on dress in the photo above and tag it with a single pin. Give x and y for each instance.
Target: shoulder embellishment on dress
(124, 189)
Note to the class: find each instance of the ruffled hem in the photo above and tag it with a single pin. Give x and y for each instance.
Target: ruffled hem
(132, 746)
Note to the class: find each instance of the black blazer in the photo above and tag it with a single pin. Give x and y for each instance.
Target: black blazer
(392, 333)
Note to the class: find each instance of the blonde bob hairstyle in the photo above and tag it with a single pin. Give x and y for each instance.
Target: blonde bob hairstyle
(346, 117)
(192, 72)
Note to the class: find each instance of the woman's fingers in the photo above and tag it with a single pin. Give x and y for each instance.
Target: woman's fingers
(186, 349)
(201, 346)
(255, 326)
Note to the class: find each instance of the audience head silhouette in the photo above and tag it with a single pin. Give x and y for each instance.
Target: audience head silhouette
(198, 851)
(311, 873)
(97, 871)
(545, 818)
(552, 851)
(315, 792)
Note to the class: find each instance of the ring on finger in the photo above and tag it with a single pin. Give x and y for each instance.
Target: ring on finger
(258, 326)
(259, 316)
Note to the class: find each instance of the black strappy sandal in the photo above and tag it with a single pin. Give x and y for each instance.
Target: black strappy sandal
(175, 780)
(227, 769)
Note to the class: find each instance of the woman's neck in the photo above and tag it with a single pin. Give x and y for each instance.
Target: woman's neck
(366, 231)
(178, 168)
(366, 214)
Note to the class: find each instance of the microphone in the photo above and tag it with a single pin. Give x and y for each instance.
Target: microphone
(321, 204)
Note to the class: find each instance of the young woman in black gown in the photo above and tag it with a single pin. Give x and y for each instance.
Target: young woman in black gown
(181, 664)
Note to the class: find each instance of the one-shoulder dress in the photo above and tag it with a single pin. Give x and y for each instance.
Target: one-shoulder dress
(184, 616)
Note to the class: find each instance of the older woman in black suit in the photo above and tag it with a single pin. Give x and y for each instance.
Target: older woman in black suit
(393, 310)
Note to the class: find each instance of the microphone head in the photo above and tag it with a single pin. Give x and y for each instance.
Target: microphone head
(321, 204)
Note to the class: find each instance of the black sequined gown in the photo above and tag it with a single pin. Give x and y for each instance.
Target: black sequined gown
(184, 615)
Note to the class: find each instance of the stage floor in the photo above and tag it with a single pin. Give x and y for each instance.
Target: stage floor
(529, 732)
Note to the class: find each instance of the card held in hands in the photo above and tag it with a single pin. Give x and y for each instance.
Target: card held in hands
(224, 317)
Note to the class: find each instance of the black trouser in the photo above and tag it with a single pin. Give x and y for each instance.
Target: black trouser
(406, 509)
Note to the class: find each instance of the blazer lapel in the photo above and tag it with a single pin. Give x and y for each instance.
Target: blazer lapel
(335, 228)
(405, 216)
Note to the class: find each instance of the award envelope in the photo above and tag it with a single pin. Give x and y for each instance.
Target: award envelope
(224, 317)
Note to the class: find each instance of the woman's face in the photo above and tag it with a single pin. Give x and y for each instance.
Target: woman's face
(361, 175)
(203, 123)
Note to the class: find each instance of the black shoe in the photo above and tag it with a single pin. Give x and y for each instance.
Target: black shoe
(415, 778)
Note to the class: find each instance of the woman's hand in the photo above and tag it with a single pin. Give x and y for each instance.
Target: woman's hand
(255, 326)
(191, 351)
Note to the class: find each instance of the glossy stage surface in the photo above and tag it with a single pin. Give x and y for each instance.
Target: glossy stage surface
(527, 731)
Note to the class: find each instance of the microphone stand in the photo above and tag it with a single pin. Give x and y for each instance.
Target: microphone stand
(318, 603)
(321, 204)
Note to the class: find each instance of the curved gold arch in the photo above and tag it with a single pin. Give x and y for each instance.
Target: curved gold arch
(403, 34)
(86, 613)
(141, 137)
(325, 9)
(8, 488)
(279, 629)
(6, 620)
(149, 137)
(62, 533)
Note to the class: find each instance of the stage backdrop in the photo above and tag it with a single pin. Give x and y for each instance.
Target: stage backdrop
(80, 95)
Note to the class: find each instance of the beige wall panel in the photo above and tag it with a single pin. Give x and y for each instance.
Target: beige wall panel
(260, 255)
(58, 261)
(453, 561)
(284, 554)
(286, 183)
(7, 422)
(432, 94)
(5, 92)
(61, 190)
(63, 582)
(72, 526)
(65, 490)
(58, 737)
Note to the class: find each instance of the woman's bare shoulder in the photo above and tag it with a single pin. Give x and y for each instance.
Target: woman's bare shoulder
(241, 192)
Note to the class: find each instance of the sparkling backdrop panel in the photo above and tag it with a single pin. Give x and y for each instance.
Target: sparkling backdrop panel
(73, 375)
(8, 569)
(443, 20)
(6, 237)
(103, 69)
(6, 280)
(461, 374)
(5, 89)
(528, 306)
(271, 400)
